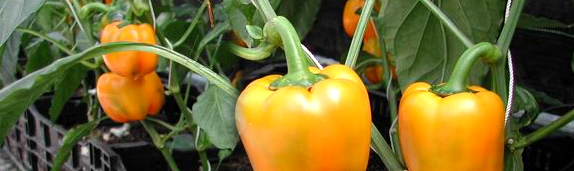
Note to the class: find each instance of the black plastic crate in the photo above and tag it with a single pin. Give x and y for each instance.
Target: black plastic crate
(35, 140)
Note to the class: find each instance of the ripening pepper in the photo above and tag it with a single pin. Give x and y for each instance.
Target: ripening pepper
(351, 19)
(129, 63)
(375, 73)
(127, 99)
(305, 121)
(452, 127)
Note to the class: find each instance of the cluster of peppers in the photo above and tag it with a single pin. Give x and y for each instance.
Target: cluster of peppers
(371, 44)
(313, 119)
(132, 90)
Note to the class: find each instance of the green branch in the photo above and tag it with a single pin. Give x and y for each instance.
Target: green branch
(351, 58)
(544, 131)
(192, 24)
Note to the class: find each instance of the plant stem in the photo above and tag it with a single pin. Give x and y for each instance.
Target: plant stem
(499, 71)
(57, 44)
(74, 5)
(510, 26)
(392, 99)
(265, 9)
(262, 51)
(380, 146)
(47, 38)
(87, 9)
(351, 58)
(544, 131)
(449, 24)
(162, 123)
(169, 159)
(205, 165)
(457, 81)
(192, 24)
(297, 72)
(156, 138)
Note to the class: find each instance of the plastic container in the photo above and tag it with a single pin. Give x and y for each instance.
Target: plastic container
(35, 140)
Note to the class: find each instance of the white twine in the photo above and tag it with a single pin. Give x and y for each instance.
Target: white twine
(510, 71)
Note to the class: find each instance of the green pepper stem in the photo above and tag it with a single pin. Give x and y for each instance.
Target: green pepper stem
(297, 72)
(457, 81)
(262, 51)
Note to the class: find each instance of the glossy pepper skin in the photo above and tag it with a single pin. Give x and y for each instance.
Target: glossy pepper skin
(351, 19)
(127, 99)
(323, 128)
(129, 63)
(463, 131)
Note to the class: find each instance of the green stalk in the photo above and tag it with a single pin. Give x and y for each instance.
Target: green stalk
(169, 159)
(60, 46)
(192, 24)
(297, 72)
(544, 131)
(358, 35)
(380, 146)
(449, 24)
(57, 44)
(457, 81)
(156, 138)
(510, 26)
(499, 71)
(391, 97)
(262, 51)
(205, 165)
(265, 9)
(87, 9)
(84, 26)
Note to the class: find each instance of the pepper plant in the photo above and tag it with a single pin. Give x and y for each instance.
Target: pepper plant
(63, 50)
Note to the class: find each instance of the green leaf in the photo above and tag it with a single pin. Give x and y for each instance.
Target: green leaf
(238, 22)
(39, 56)
(64, 89)
(82, 41)
(301, 13)
(223, 154)
(239, 14)
(529, 21)
(14, 12)
(572, 62)
(9, 53)
(212, 35)
(70, 140)
(542, 97)
(524, 100)
(424, 49)
(255, 31)
(182, 142)
(214, 112)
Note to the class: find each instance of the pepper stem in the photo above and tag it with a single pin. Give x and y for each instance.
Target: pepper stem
(457, 81)
(297, 72)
